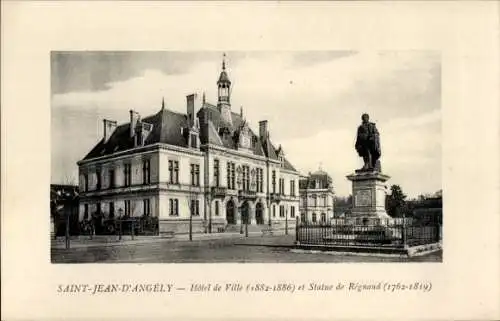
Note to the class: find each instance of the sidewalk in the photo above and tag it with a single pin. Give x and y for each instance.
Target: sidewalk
(112, 240)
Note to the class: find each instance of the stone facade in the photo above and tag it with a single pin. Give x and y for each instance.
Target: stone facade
(207, 160)
(317, 198)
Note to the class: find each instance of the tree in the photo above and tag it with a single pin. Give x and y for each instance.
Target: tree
(396, 202)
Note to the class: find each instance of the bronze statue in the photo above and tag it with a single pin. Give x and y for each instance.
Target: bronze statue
(368, 145)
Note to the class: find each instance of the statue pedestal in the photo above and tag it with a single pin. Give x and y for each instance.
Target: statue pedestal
(368, 197)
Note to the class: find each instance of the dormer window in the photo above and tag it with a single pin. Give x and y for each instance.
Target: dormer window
(193, 140)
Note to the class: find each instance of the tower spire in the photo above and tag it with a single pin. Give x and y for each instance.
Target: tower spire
(224, 61)
(204, 98)
(162, 103)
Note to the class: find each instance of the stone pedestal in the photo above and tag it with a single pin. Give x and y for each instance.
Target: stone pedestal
(368, 196)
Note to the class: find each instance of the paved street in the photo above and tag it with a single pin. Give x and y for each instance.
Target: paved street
(252, 250)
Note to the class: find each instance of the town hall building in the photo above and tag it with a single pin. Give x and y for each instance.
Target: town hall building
(206, 162)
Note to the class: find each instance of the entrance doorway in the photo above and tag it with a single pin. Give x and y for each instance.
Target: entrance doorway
(245, 211)
(259, 213)
(230, 215)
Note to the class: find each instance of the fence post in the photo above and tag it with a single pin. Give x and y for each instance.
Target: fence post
(403, 233)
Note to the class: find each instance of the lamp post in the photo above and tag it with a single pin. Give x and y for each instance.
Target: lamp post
(191, 221)
(286, 219)
(67, 230)
(120, 214)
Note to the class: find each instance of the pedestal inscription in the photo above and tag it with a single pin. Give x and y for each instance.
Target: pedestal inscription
(368, 188)
(363, 198)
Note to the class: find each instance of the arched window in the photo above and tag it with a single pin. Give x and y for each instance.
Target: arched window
(323, 217)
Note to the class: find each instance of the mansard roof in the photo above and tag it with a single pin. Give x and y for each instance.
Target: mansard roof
(168, 129)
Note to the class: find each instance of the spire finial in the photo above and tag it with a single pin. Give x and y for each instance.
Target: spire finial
(204, 98)
(162, 103)
(320, 166)
(224, 61)
(241, 111)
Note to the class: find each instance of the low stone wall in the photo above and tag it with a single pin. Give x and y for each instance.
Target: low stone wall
(180, 227)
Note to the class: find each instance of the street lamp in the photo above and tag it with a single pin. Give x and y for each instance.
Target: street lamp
(286, 219)
(67, 229)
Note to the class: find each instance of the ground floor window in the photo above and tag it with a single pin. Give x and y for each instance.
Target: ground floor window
(174, 207)
(323, 217)
(127, 208)
(86, 211)
(111, 210)
(274, 210)
(302, 217)
(292, 212)
(195, 207)
(282, 211)
(216, 208)
(146, 207)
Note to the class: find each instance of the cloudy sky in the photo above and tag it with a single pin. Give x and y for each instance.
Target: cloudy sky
(313, 101)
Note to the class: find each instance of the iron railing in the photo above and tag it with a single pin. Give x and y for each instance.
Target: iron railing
(343, 232)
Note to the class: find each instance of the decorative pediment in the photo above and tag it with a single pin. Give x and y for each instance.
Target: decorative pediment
(244, 136)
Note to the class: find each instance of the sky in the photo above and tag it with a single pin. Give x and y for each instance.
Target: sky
(313, 101)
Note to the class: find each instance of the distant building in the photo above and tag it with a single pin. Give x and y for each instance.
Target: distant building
(316, 198)
(207, 161)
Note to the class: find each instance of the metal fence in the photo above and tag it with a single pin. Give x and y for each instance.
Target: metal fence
(352, 232)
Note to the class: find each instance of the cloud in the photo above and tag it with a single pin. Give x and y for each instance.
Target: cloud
(313, 101)
(411, 149)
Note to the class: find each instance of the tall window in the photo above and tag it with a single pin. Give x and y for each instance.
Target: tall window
(323, 217)
(274, 210)
(231, 175)
(216, 172)
(315, 200)
(98, 179)
(146, 207)
(282, 211)
(195, 207)
(292, 212)
(173, 207)
(314, 217)
(302, 217)
(85, 182)
(127, 173)
(146, 171)
(282, 186)
(292, 188)
(216, 208)
(86, 211)
(98, 208)
(274, 181)
(195, 174)
(246, 178)
(194, 141)
(111, 210)
(173, 172)
(127, 208)
(111, 178)
(259, 178)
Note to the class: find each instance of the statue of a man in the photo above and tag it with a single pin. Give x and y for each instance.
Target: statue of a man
(368, 144)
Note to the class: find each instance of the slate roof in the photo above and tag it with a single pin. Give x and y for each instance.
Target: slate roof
(168, 126)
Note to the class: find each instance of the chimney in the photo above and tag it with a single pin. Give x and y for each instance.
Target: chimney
(190, 99)
(263, 134)
(109, 128)
(134, 116)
